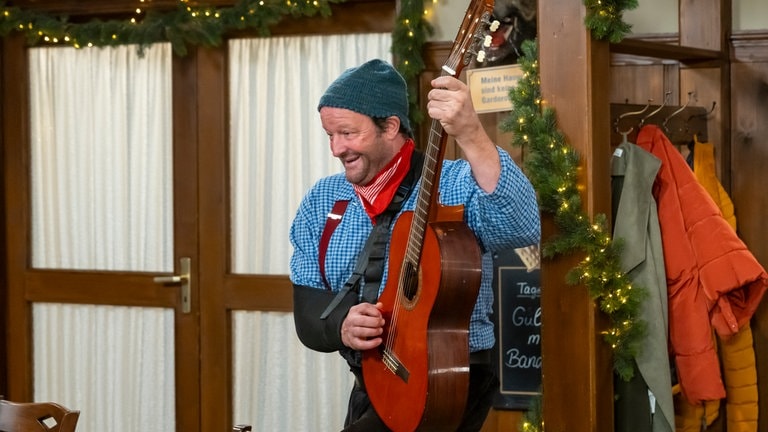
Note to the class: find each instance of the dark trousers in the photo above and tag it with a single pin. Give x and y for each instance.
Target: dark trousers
(483, 385)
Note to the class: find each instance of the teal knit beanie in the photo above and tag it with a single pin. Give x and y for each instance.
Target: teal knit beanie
(374, 89)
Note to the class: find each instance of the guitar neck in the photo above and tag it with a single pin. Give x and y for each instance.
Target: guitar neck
(426, 201)
(462, 52)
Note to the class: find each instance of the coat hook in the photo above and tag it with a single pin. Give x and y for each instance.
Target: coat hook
(618, 119)
(678, 111)
(705, 115)
(664, 103)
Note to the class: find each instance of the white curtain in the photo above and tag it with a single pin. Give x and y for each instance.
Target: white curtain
(101, 200)
(113, 364)
(278, 149)
(101, 158)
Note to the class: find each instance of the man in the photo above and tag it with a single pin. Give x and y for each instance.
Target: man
(365, 114)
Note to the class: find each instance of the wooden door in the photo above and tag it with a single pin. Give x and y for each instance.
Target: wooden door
(202, 329)
(29, 286)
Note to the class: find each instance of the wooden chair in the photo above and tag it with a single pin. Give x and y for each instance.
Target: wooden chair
(36, 417)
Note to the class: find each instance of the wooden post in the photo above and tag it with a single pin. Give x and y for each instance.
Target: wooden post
(577, 364)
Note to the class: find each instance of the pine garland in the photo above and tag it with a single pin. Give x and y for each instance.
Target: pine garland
(605, 18)
(532, 420)
(205, 26)
(183, 26)
(553, 166)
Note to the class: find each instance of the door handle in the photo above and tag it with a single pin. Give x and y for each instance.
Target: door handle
(185, 279)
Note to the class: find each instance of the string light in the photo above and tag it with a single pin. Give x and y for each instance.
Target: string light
(139, 29)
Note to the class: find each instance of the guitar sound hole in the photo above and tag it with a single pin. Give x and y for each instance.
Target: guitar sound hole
(410, 282)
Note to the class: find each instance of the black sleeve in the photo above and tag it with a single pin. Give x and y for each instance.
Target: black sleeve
(320, 334)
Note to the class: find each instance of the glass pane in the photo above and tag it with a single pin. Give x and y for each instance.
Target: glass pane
(101, 158)
(276, 375)
(114, 364)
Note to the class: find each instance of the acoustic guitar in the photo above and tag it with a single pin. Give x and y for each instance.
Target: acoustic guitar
(419, 376)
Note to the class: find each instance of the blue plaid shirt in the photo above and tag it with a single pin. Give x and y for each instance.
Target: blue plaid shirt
(507, 218)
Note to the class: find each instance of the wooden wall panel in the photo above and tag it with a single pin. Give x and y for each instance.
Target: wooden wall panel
(749, 157)
(638, 84)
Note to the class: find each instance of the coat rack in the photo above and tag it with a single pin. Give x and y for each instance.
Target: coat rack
(680, 123)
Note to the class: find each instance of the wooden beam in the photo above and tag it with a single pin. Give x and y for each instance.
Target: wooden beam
(577, 368)
(688, 55)
(92, 7)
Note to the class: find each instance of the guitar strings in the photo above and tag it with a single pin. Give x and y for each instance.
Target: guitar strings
(410, 267)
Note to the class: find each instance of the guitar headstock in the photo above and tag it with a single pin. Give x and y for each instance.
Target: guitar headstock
(472, 37)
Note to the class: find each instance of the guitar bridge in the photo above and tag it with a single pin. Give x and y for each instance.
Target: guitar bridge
(394, 366)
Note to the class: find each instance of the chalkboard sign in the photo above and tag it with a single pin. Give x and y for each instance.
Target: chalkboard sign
(517, 314)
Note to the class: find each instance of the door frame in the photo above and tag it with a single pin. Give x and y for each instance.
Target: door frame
(26, 285)
(201, 230)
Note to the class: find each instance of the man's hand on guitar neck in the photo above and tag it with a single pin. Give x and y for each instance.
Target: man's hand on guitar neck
(363, 326)
(451, 104)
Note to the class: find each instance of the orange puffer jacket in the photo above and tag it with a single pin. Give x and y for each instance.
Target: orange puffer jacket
(713, 280)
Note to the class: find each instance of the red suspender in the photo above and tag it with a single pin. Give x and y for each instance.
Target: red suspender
(334, 218)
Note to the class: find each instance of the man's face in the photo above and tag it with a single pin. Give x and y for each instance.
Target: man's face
(359, 145)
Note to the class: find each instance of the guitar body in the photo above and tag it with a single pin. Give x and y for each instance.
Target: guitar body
(419, 376)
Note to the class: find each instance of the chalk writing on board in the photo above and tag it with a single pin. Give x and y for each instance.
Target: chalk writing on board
(518, 347)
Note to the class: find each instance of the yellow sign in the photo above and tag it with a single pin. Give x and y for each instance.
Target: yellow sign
(490, 87)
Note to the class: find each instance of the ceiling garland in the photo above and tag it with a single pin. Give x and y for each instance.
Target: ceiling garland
(183, 26)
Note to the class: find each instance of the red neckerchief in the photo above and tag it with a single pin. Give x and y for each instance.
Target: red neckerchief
(378, 193)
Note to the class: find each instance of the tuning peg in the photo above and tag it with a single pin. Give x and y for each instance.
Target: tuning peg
(487, 41)
(481, 56)
(495, 25)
